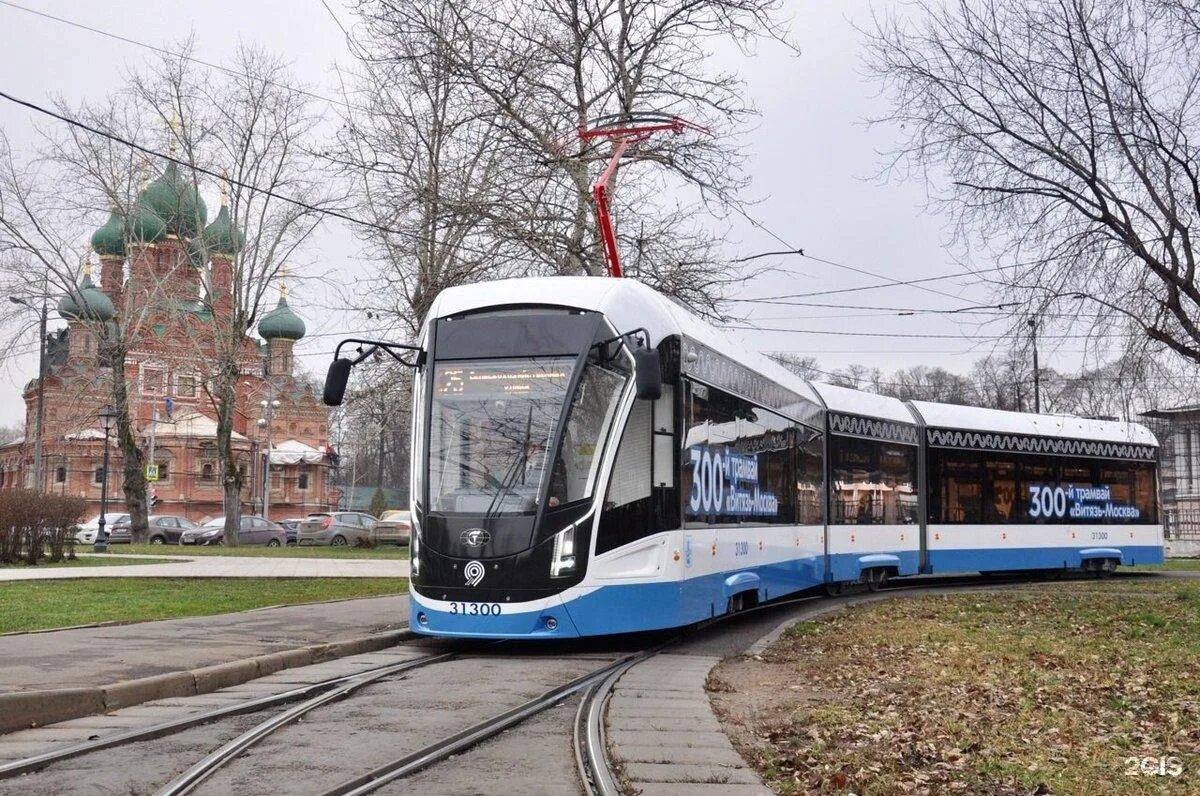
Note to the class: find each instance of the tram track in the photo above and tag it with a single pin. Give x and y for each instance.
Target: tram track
(327, 690)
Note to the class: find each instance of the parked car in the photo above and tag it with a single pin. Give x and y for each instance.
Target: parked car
(394, 527)
(339, 528)
(254, 531)
(88, 530)
(292, 526)
(162, 529)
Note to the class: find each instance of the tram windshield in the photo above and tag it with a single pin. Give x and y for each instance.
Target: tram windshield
(492, 429)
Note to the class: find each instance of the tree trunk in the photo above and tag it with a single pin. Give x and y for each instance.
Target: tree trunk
(133, 480)
(227, 372)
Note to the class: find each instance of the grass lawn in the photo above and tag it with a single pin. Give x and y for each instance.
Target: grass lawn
(39, 604)
(1171, 564)
(92, 561)
(1057, 688)
(308, 551)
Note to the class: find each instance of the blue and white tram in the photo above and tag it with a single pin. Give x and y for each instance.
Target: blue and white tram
(590, 458)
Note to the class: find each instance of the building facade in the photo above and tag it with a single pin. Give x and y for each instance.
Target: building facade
(166, 279)
(1178, 432)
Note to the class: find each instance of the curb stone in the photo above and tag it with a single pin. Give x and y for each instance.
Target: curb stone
(21, 710)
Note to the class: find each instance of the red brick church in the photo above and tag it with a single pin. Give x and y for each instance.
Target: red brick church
(166, 277)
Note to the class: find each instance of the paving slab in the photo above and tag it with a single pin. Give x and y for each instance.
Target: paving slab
(663, 736)
(57, 675)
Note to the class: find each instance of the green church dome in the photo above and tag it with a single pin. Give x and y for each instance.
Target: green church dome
(146, 225)
(281, 322)
(175, 199)
(222, 237)
(93, 304)
(109, 240)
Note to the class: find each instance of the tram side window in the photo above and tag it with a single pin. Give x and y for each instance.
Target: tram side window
(628, 513)
(873, 482)
(975, 487)
(810, 477)
(960, 478)
(737, 462)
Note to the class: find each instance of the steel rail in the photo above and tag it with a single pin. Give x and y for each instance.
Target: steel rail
(488, 728)
(40, 761)
(216, 759)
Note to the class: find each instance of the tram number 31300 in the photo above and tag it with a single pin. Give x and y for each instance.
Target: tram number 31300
(475, 609)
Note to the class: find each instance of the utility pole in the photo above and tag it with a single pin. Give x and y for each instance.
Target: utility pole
(265, 422)
(1037, 375)
(40, 410)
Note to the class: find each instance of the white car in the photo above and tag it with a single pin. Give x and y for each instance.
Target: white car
(86, 534)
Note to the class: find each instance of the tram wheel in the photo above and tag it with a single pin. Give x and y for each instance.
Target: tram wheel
(876, 578)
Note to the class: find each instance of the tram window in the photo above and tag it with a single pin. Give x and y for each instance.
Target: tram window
(961, 480)
(1145, 493)
(1036, 471)
(737, 462)
(975, 487)
(1001, 502)
(628, 513)
(874, 483)
(810, 477)
(592, 409)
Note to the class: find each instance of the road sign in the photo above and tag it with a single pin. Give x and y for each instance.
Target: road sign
(151, 472)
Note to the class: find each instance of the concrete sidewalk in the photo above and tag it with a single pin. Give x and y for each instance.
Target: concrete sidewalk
(62, 674)
(210, 566)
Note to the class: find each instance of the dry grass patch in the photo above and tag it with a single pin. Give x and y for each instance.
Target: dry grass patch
(1045, 689)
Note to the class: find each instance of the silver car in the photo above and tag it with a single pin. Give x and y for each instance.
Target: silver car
(394, 527)
(338, 528)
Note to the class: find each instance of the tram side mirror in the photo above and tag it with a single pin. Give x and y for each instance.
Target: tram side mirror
(647, 374)
(335, 381)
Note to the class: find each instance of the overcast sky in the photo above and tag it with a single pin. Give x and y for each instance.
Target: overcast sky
(811, 158)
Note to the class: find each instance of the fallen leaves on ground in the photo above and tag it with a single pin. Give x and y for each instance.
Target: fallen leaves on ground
(1049, 689)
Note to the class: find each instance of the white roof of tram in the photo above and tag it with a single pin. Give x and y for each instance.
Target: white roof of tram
(973, 418)
(868, 404)
(627, 304)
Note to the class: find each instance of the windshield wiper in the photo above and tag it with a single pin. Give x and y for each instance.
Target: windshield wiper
(510, 475)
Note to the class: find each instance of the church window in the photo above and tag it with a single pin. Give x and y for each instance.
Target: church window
(60, 475)
(206, 471)
(302, 479)
(153, 381)
(185, 385)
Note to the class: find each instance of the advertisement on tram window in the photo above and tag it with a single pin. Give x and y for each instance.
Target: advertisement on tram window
(1078, 502)
(725, 483)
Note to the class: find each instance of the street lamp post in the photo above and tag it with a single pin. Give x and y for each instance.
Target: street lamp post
(107, 416)
(264, 422)
(38, 454)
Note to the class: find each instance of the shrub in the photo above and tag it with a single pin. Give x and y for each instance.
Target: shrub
(34, 526)
(365, 542)
(378, 503)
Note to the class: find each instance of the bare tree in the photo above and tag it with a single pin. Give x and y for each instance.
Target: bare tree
(41, 254)
(254, 125)
(250, 123)
(529, 74)
(1067, 132)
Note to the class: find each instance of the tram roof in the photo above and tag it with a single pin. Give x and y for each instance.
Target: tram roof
(974, 418)
(857, 402)
(627, 304)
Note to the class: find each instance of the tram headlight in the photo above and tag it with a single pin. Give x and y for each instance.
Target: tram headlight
(414, 545)
(562, 560)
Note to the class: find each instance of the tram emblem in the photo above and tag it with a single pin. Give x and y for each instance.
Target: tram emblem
(475, 537)
(474, 573)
